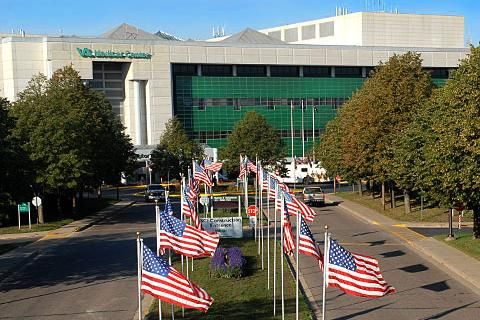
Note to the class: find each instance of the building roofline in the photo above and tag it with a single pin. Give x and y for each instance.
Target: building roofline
(223, 44)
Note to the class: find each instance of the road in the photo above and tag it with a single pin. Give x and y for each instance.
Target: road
(92, 274)
(424, 290)
(89, 275)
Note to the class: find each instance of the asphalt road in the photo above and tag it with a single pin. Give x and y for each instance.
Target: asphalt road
(424, 290)
(89, 275)
(92, 274)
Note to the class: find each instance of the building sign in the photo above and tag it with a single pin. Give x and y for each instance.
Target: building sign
(225, 227)
(88, 53)
(225, 198)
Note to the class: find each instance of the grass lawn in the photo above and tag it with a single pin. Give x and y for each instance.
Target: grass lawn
(398, 213)
(463, 242)
(244, 298)
(89, 207)
(4, 248)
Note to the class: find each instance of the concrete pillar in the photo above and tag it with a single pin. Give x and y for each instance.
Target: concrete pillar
(333, 72)
(234, 70)
(268, 71)
(301, 71)
(364, 72)
(140, 112)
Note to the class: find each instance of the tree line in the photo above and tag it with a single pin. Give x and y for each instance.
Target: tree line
(59, 138)
(402, 132)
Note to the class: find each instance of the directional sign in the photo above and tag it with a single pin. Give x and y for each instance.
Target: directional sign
(24, 207)
(36, 201)
(204, 200)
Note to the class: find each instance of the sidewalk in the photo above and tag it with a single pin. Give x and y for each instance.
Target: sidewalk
(457, 264)
(15, 258)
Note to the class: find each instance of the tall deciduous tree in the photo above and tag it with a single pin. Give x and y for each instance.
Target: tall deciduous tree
(175, 151)
(452, 152)
(252, 136)
(70, 133)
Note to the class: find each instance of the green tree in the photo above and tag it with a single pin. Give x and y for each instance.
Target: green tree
(175, 151)
(252, 136)
(452, 151)
(399, 89)
(70, 133)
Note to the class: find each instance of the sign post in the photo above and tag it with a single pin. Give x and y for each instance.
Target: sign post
(24, 207)
(37, 202)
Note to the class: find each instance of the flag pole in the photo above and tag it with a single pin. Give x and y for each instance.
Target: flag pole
(303, 134)
(325, 272)
(191, 175)
(157, 220)
(182, 195)
(268, 232)
(282, 234)
(275, 252)
(170, 263)
(298, 266)
(291, 124)
(139, 275)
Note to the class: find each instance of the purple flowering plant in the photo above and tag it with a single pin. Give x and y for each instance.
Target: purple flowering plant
(227, 263)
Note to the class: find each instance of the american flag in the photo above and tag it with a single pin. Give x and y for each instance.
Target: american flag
(295, 205)
(201, 175)
(212, 166)
(251, 167)
(307, 244)
(189, 209)
(243, 167)
(168, 207)
(355, 274)
(288, 237)
(186, 240)
(273, 186)
(265, 179)
(162, 281)
(193, 190)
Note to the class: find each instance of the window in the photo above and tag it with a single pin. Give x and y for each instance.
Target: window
(308, 32)
(304, 169)
(216, 70)
(284, 71)
(326, 29)
(348, 72)
(438, 73)
(251, 71)
(316, 72)
(184, 69)
(291, 35)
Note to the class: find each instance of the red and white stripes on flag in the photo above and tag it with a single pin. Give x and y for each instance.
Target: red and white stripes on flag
(201, 175)
(188, 206)
(162, 281)
(295, 205)
(184, 239)
(354, 273)
(288, 237)
(243, 167)
(307, 244)
(251, 167)
(213, 167)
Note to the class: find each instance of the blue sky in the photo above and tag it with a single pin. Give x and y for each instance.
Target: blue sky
(195, 18)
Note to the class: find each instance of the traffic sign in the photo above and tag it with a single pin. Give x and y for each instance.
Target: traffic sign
(36, 201)
(459, 207)
(204, 200)
(24, 207)
(252, 211)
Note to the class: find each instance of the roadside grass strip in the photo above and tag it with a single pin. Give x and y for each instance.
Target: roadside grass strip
(243, 298)
(428, 214)
(463, 242)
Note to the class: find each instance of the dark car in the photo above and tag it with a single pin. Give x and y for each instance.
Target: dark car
(154, 192)
(313, 196)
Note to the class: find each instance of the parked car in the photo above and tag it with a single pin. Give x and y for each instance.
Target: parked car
(154, 192)
(313, 196)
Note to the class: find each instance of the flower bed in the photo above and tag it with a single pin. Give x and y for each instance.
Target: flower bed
(227, 263)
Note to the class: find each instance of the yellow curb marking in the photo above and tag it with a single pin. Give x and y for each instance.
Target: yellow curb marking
(402, 225)
(375, 222)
